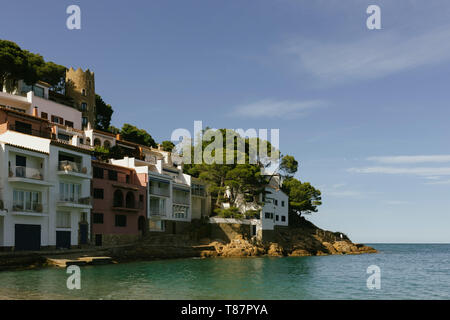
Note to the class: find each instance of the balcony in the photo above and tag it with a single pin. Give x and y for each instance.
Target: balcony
(27, 208)
(71, 168)
(130, 207)
(27, 175)
(73, 202)
(165, 192)
(27, 130)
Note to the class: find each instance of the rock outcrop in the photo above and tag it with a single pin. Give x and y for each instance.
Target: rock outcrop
(304, 240)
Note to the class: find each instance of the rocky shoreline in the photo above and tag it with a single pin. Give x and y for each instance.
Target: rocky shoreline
(304, 240)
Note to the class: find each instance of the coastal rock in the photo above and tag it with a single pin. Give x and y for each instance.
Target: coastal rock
(300, 253)
(275, 250)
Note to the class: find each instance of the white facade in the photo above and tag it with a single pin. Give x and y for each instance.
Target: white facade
(275, 210)
(31, 172)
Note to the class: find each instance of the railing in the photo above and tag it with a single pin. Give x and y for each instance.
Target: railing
(33, 132)
(26, 172)
(71, 166)
(198, 192)
(84, 200)
(28, 207)
(136, 205)
(181, 200)
(157, 212)
(160, 191)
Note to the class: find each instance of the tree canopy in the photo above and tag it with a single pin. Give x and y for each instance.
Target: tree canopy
(136, 135)
(18, 64)
(303, 197)
(167, 145)
(238, 178)
(103, 114)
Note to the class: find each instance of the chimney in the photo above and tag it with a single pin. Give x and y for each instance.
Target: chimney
(160, 147)
(35, 112)
(118, 136)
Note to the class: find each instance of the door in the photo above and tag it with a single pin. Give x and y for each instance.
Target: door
(27, 237)
(83, 233)
(98, 240)
(254, 230)
(63, 239)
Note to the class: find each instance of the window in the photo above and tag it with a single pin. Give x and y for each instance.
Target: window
(98, 193)
(97, 142)
(83, 106)
(268, 215)
(63, 220)
(121, 220)
(69, 192)
(179, 212)
(129, 200)
(26, 201)
(56, 119)
(38, 91)
(112, 175)
(98, 173)
(84, 121)
(157, 206)
(283, 218)
(97, 218)
(277, 217)
(158, 225)
(83, 92)
(282, 203)
(118, 199)
(276, 202)
(44, 115)
(64, 137)
(69, 124)
(23, 127)
(141, 198)
(127, 178)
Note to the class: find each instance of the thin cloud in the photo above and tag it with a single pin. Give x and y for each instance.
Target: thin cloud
(277, 109)
(419, 171)
(374, 56)
(411, 159)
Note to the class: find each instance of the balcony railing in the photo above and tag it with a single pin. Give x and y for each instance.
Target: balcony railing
(83, 201)
(155, 211)
(33, 132)
(130, 206)
(26, 172)
(71, 166)
(160, 191)
(27, 207)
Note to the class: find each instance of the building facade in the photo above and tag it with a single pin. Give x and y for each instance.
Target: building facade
(119, 213)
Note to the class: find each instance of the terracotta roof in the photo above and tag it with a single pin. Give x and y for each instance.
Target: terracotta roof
(69, 146)
(24, 148)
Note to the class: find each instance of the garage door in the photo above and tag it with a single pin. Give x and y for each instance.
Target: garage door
(27, 237)
(63, 239)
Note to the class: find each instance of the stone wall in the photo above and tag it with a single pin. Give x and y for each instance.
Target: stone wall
(119, 239)
(229, 231)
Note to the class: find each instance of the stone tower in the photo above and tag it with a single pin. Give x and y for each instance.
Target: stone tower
(80, 86)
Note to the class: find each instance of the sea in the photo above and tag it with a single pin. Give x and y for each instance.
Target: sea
(398, 271)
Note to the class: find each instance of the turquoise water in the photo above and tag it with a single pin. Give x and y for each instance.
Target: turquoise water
(408, 271)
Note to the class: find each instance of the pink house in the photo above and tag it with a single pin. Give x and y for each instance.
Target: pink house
(119, 204)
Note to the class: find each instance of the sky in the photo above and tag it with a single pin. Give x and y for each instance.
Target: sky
(364, 111)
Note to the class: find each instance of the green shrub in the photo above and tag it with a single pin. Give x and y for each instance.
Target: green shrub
(232, 212)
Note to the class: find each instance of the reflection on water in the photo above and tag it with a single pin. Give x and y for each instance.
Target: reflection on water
(407, 272)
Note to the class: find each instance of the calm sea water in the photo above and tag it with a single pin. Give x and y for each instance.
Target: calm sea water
(408, 271)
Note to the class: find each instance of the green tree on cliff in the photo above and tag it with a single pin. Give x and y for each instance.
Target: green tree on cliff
(103, 114)
(136, 135)
(17, 64)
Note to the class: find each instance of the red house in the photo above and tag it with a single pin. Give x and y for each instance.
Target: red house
(119, 204)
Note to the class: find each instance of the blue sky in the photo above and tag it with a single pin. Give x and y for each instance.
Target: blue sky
(364, 111)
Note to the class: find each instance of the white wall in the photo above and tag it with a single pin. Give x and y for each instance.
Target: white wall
(60, 110)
